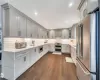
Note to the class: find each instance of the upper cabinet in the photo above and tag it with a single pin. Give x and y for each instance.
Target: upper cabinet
(10, 23)
(65, 33)
(72, 31)
(51, 34)
(14, 23)
(17, 24)
(29, 29)
(22, 26)
(59, 33)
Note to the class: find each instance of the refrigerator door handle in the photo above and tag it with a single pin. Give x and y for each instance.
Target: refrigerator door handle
(85, 72)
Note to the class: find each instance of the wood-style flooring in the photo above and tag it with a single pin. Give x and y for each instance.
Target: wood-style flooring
(51, 67)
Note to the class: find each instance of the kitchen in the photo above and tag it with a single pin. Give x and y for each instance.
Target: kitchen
(27, 44)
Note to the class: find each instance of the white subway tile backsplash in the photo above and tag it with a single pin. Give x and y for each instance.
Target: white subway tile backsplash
(10, 42)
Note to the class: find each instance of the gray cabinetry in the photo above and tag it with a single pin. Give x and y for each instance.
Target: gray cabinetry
(17, 24)
(10, 23)
(73, 31)
(14, 23)
(22, 26)
(29, 29)
(34, 30)
(65, 33)
(59, 33)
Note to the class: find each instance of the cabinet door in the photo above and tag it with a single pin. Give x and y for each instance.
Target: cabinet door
(19, 65)
(51, 47)
(66, 48)
(29, 29)
(65, 34)
(33, 56)
(51, 34)
(34, 30)
(22, 26)
(14, 17)
(6, 27)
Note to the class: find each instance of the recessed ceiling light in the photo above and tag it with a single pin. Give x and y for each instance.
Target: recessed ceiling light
(71, 4)
(36, 13)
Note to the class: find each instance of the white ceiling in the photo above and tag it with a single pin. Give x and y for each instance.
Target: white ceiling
(51, 14)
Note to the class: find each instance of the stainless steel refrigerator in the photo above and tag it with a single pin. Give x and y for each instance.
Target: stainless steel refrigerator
(87, 47)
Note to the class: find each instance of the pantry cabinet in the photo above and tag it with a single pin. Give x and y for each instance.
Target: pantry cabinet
(73, 32)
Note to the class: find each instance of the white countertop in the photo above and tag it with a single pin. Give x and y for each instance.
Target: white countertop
(29, 47)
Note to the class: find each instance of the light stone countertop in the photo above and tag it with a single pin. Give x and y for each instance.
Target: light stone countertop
(30, 47)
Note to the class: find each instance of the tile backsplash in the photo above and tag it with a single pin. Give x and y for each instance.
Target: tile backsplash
(9, 43)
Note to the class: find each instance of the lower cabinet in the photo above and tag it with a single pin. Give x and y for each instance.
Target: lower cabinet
(25, 59)
(21, 62)
(66, 48)
(73, 54)
(45, 48)
(51, 47)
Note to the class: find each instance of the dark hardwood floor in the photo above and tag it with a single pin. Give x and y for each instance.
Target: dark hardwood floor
(51, 67)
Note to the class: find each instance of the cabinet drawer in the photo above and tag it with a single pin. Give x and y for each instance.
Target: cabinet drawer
(22, 53)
